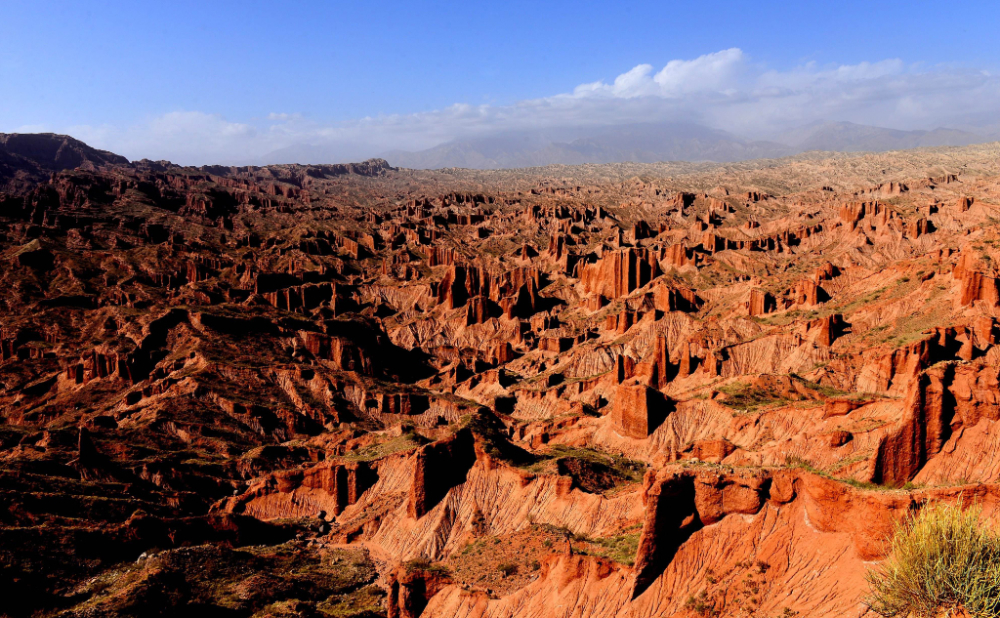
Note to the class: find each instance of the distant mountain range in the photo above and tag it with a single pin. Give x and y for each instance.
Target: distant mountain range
(29, 158)
(850, 137)
(643, 143)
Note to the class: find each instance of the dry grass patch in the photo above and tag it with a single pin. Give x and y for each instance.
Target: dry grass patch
(942, 561)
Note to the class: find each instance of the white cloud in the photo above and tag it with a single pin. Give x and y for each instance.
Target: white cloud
(716, 72)
(177, 136)
(724, 90)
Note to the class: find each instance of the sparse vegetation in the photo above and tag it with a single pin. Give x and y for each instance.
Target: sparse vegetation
(592, 470)
(621, 548)
(507, 569)
(405, 442)
(422, 564)
(941, 560)
(824, 390)
(700, 604)
(744, 396)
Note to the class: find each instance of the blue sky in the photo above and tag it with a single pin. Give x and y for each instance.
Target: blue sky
(208, 81)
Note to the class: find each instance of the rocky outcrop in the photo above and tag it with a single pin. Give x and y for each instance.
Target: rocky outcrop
(638, 410)
(620, 273)
(410, 587)
(760, 303)
(437, 468)
(944, 401)
(321, 491)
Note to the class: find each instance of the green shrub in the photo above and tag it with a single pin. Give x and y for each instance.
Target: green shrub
(700, 604)
(423, 564)
(621, 548)
(940, 560)
(507, 569)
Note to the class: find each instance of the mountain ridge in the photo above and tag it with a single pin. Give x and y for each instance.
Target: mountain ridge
(27, 158)
(641, 143)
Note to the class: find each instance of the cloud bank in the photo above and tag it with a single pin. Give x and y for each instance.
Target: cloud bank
(723, 90)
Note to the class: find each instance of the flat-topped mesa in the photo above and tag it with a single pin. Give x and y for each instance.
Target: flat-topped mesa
(895, 371)
(681, 502)
(944, 400)
(410, 588)
(620, 272)
(638, 410)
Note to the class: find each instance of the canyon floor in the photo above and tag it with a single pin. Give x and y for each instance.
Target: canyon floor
(625, 390)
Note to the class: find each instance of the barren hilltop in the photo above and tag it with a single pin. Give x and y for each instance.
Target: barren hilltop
(628, 390)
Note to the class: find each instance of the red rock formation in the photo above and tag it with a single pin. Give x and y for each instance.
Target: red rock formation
(678, 256)
(676, 299)
(840, 407)
(658, 367)
(620, 273)
(824, 331)
(638, 410)
(410, 589)
(808, 293)
(760, 303)
(437, 468)
(713, 450)
(976, 286)
(296, 356)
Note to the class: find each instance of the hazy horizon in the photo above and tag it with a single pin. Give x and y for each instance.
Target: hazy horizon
(237, 83)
